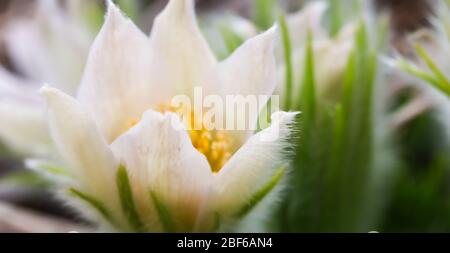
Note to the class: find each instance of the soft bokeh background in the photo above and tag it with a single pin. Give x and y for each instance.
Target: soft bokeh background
(375, 156)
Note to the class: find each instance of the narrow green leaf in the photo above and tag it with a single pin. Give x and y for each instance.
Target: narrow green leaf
(419, 73)
(308, 93)
(163, 213)
(338, 134)
(126, 199)
(264, 191)
(362, 43)
(335, 17)
(444, 83)
(96, 204)
(349, 80)
(287, 49)
(263, 15)
(217, 221)
(25, 179)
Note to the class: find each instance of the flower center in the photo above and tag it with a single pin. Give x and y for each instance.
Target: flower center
(214, 144)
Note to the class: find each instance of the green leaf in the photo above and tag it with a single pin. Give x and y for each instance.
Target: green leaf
(264, 191)
(263, 13)
(93, 14)
(96, 204)
(126, 199)
(421, 74)
(130, 8)
(337, 147)
(231, 39)
(349, 80)
(53, 169)
(443, 82)
(287, 49)
(163, 213)
(25, 179)
(308, 93)
(217, 221)
(335, 17)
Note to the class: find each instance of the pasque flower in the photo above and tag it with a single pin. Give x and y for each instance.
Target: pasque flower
(127, 167)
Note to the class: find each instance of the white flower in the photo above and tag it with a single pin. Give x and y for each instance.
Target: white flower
(51, 46)
(330, 54)
(127, 162)
(432, 43)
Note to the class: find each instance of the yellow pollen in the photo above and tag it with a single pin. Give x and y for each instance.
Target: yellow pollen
(215, 145)
(132, 122)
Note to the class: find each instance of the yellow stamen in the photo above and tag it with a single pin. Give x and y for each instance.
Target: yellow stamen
(215, 145)
(131, 123)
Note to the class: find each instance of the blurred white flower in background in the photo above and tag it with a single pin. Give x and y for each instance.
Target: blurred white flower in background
(330, 54)
(226, 32)
(50, 46)
(126, 166)
(429, 64)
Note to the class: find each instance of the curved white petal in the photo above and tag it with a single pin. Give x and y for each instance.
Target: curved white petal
(23, 127)
(181, 47)
(161, 159)
(121, 77)
(80, 143)
(250, 70)
(248, 73)
(58, 50)
(249, 169)
(16, 88)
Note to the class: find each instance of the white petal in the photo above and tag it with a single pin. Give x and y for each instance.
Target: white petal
(120, 80)
(88, 157)
(249, 71)
(181, 47)
(23, 127)
(161, 159)
(250, 168)
(59, 47)
(16, 88)
(331, 61)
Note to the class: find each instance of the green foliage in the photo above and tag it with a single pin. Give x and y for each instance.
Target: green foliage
(93, 202)
(259, 195)
(335, 17)
(287, 50)
(231, 39)
(420, 199)
(264, 13)
(126, 199)
(333, 167)
(163, 213)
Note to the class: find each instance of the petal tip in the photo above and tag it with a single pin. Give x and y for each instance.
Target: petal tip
(271, 33)
(282, 116)
(46, 90)
(50, 93)
(113, 14)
